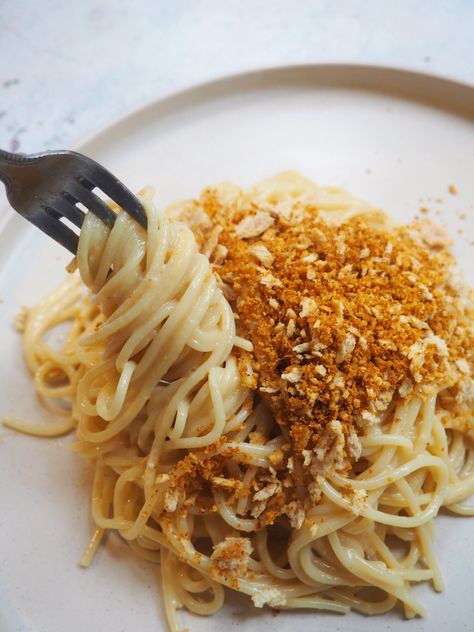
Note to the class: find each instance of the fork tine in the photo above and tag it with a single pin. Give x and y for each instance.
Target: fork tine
(68, 209)
(118, 192)
(54, 228)
(80, 193)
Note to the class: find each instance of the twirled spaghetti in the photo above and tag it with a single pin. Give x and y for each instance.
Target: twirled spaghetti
(203, 459)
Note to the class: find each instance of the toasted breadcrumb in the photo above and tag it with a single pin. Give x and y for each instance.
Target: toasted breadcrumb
(231, 557)
(261, 252)
(253, 225)
(271, 596)
(266, 492)
(345, 348)
(171, 500)
(296, 514)
(358, 501)
(269, 280)
(293, 375)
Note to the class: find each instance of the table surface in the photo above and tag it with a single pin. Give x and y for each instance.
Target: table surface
(68, 68)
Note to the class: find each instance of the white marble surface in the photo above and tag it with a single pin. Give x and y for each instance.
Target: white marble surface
(69, 67)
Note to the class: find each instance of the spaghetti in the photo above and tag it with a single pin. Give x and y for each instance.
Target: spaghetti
(274, 387)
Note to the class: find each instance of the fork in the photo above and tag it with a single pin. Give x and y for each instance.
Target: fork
(46, 189)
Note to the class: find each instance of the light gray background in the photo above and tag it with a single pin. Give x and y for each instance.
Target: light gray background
(67, 67)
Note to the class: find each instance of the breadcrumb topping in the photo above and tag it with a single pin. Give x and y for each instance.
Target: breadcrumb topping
(347, 314)
(231, 557)
(271, 596)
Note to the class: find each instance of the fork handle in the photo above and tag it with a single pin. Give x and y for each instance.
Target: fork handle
(9, 163)
(9, 158)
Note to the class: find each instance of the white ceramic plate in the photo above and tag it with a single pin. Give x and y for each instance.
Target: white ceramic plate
(396, 138)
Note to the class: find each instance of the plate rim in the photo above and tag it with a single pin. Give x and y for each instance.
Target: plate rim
(361, 69)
